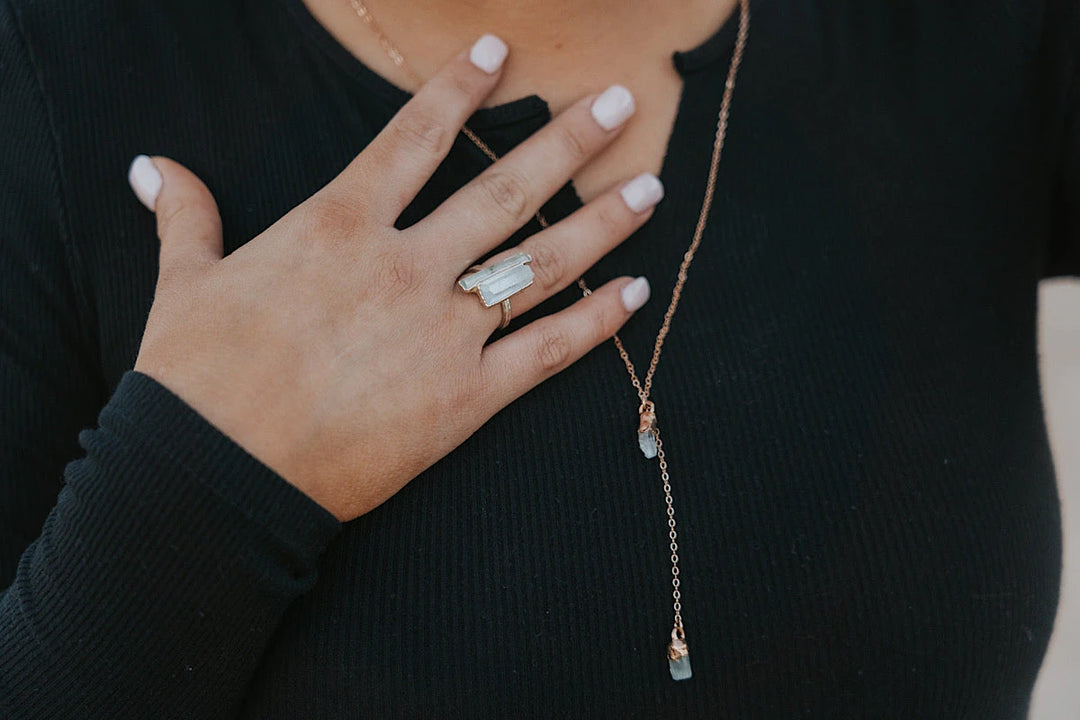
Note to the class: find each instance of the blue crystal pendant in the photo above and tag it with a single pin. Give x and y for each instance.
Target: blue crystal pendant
(646, 432)
(647, 442)
(679, 656)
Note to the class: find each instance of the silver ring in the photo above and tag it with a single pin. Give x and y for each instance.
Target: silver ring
(495, 284)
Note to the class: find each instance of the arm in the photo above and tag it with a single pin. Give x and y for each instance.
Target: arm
(171, 554)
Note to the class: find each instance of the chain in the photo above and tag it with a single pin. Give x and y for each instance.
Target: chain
(643, 389)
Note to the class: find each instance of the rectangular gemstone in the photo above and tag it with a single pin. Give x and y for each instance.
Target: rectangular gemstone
(501, 285)
(471, 280)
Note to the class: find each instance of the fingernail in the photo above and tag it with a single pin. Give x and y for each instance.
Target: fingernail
(145, 180)
(488, 54)
(635, 294)
(643, 192)
(612, 107)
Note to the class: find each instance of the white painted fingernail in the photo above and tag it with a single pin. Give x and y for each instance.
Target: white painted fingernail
(643, 192)
(488, 54)
(145, 180)
(612, 107)
(635, 294)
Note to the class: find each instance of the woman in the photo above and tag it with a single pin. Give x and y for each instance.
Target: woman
(318, 480)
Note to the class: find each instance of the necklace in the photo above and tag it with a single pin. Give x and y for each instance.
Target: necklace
(648, 432)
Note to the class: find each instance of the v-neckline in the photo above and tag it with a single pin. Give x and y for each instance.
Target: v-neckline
(529, 110)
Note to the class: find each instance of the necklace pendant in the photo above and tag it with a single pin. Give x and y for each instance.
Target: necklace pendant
(679, 656)
(646, 432)
(647, 442)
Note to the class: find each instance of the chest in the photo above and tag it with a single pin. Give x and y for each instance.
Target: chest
(838, 464)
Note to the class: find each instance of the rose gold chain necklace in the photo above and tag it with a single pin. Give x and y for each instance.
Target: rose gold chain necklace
(649, 441)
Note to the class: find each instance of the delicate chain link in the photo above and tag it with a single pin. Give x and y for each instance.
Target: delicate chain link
(676, 594)
(643, 389)
(387, 46)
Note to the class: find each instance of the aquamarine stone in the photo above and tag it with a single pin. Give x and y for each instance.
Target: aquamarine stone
(647, 442)
(680, 669)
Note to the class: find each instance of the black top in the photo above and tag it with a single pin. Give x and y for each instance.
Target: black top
(867, 505)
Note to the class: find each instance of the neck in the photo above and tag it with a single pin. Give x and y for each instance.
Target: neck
(559, 48)
(542, 28)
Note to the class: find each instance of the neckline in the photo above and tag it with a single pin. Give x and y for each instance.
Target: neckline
(686, 62)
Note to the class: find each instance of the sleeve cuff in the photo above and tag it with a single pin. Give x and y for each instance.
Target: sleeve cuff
(145, 413)
(162, 572)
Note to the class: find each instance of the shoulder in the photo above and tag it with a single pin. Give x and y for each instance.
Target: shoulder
(73, 42)
(109, 79)
(107, 67)
(94, 18)
(1062, 32)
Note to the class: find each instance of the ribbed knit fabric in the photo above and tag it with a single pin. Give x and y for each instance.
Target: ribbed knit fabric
(868, 516)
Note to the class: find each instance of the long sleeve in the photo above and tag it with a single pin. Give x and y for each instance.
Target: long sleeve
(146, 577)
(1064, 253)
(47, 386)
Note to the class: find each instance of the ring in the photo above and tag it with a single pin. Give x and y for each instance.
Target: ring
(495, 284)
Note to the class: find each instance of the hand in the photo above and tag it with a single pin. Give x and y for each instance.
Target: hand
(338, 350)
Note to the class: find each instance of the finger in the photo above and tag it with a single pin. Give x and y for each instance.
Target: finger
(523, 359)
(563, 252)
(508, 193)
(402, 157)
(188, 222)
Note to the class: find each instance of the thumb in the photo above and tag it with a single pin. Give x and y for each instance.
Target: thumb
(188, 222)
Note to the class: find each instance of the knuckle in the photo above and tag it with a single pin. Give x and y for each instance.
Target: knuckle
(462, 83)
(547, 264)
(612, 222)
(420, 131)
(167, 216)
(464, 400)
(168, 277)
(480, 392)
(329, 218)
(602, 324)
(508, 192)
(571, 142)
(398, 276)
(484, 382)
(553, 351)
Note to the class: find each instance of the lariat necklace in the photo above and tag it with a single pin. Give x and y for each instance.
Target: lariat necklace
(648, 431)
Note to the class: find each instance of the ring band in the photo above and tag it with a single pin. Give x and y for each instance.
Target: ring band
(495, 284)
(506, 313)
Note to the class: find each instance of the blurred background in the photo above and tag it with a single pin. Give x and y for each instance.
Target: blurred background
(1057, 693)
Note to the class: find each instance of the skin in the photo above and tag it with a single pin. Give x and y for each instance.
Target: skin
(561, 50)
(369, 323)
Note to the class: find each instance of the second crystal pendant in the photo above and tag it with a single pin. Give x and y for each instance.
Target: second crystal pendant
(679, 656)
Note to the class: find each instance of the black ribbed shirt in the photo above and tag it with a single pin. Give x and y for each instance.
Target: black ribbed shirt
(869, 523)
